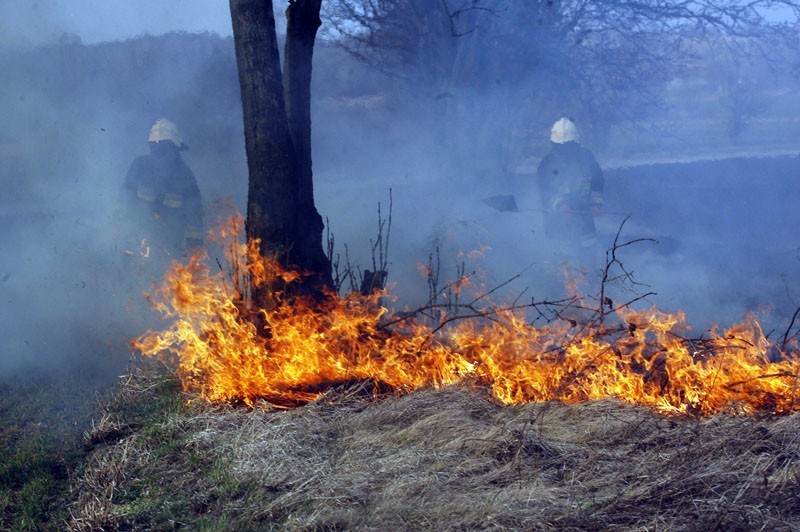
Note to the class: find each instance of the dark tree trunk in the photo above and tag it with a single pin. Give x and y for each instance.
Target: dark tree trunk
(302, 23)
(280, 203)
(271, 161)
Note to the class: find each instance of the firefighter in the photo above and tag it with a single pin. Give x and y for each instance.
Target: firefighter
(571, 187)
(159, 214)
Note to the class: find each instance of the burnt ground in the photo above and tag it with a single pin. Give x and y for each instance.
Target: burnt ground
(727, 230)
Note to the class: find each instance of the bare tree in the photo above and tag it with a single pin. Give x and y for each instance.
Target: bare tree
(499, 64)
(277, 125)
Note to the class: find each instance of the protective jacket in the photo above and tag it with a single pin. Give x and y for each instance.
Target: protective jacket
(571, 187)
(160, 204)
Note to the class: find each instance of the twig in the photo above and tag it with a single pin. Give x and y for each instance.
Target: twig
(611, 260)
(788, 329)
(493, 290)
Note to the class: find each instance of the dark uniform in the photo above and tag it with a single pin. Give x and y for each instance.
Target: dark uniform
(159, 213)
(571, 187)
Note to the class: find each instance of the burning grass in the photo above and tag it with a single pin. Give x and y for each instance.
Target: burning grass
(512, 426)
(301, 349)
(445, 459)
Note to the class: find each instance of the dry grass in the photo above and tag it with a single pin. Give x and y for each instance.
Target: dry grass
(438, 460)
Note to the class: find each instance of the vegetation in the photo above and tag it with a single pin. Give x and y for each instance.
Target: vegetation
(39, 447)
(432, 460)
(509, 64)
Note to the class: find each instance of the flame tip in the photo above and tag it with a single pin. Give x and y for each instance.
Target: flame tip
(229, 351)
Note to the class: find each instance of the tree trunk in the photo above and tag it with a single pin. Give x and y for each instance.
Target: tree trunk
(302, 23)
(280, 204)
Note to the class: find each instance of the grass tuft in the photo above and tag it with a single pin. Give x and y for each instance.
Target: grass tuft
(432, 460)
(38, 450)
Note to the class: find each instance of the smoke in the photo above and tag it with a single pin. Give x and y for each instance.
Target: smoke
(703, 177)
(728, 244)
(75, 115)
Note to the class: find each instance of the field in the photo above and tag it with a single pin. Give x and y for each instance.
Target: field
(81, 448)
(432, 460)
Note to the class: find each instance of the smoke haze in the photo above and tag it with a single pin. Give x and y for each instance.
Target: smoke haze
(76, 112)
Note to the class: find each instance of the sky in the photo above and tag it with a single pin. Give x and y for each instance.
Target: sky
(28, 23)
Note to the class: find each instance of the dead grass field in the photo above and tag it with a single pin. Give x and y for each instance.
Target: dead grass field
(433, 460)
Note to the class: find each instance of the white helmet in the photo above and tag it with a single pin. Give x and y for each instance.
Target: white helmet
(165, 129)
(564, 131)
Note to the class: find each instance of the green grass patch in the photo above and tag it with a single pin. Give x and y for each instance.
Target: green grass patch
(34, 478)
(43, 447)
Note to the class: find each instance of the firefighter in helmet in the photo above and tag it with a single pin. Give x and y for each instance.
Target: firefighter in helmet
(570, 186)
(160, 211)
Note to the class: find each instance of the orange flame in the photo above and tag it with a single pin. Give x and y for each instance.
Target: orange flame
(307, 347)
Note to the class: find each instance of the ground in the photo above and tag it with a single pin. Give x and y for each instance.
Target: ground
(444, 459)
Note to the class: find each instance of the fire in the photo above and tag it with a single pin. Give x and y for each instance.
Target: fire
(299, 350)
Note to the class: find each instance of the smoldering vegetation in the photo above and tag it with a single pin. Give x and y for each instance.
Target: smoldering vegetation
(432, 460)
